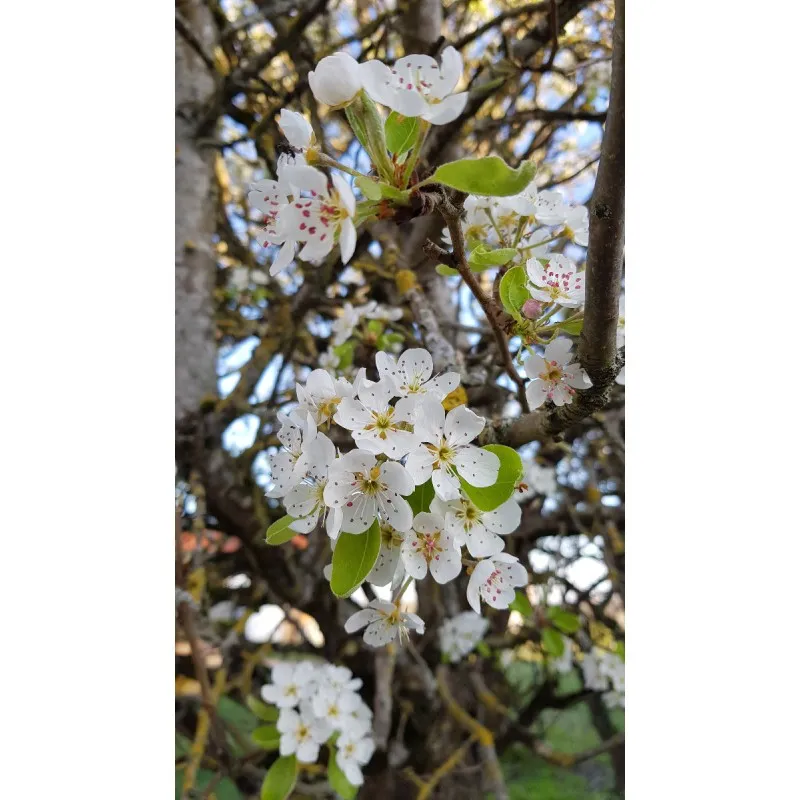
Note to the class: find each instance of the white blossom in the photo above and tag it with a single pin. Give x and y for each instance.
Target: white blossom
(290, 684)
(321, 395)
(335, 707)
(296, 128)
(493, 580)
(445, 447)
(271, 198)
(577, 222)
(287, 467)
(305, 501)
(479, 530)
(554, 376)
(428, 546)
(416, 86)
(336, 80)
(411, 374)
(563, 663)
(362, 489)
(317, 219)
(385, 622)
(302, 733)
(388, 562)
(344, 325)
(352, 753)
(556, 282)
(459, 636)
(378, 426)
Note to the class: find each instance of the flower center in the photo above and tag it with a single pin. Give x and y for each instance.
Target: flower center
(303, 732)
(328, 408)
(444, 454)
(370, 484)
(381, 423)
(390, 538)
(428, 545)
(552, 372)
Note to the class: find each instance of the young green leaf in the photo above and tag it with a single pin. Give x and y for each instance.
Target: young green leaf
(552, 642)
(262, 710)
(514, 291)
(573, 327)
(521, 604)
(266, 737)
(483, 257)
(280, 532)
(488, 498)
(401, 132)
(420, 499)
(337, 779)
(280, 779)
(400, 196)
(486, 176)
(345, 354)
(369, 187)
(563, 620)
(355, 555)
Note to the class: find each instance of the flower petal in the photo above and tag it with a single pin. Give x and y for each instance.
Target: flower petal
(449, 109)
(462, 425)
(478, 467)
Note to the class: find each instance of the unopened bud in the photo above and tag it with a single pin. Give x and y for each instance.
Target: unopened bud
(531, 309)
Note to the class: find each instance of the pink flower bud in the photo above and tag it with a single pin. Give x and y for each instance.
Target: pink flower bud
(531, 308)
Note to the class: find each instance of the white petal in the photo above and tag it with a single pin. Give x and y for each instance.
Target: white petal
(384, 569)
(300, 500)
(399, 443)
(308, 752)
(445, 485)
(309, 178)
(478, 467)
(347, 240)
(429, 424)
(416, 364)
(397, 478)
(534, 365)
(505, 518)
(409, 103)
(360, 619)
(419, 464)
(305, 524)
(482, 543)
(296, 128)
(425, 522)
(380, 633)
(558, 350)
(284, 258)
(356, 518)
(352, 414)
(377, 80)
(446, 566)
(442, 385)
(415, 563)
(448, 110)
(451, 69)
(395, 510)
(462, 425)
(476, 580)
(536, 393)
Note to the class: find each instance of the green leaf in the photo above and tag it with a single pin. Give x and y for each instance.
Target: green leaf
(488, 498)
(521, 604)
(183, 745)
(483, 257)
(386, 341)
(236, 715)
(401, 196)
(401, 132)
(266, 737)
(369, 187)
(345, 354)
(280, 532)
(420, 499)
(443, 269)
(552, 642)
(620, 650)
(280, 779)
(262, 710)
(563, 620)
(376, 326)
(337, 779)
(483, 649)
(489, 176)
(355, 555)
(573, 327)
(514, 291)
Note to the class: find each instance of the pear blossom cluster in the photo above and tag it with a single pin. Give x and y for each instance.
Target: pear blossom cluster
(319, 704)
(403, 439)
(604, 671)
(305, 211)
(460, 635)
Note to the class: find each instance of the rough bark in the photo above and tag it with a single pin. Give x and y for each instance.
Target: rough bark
(195, 347)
